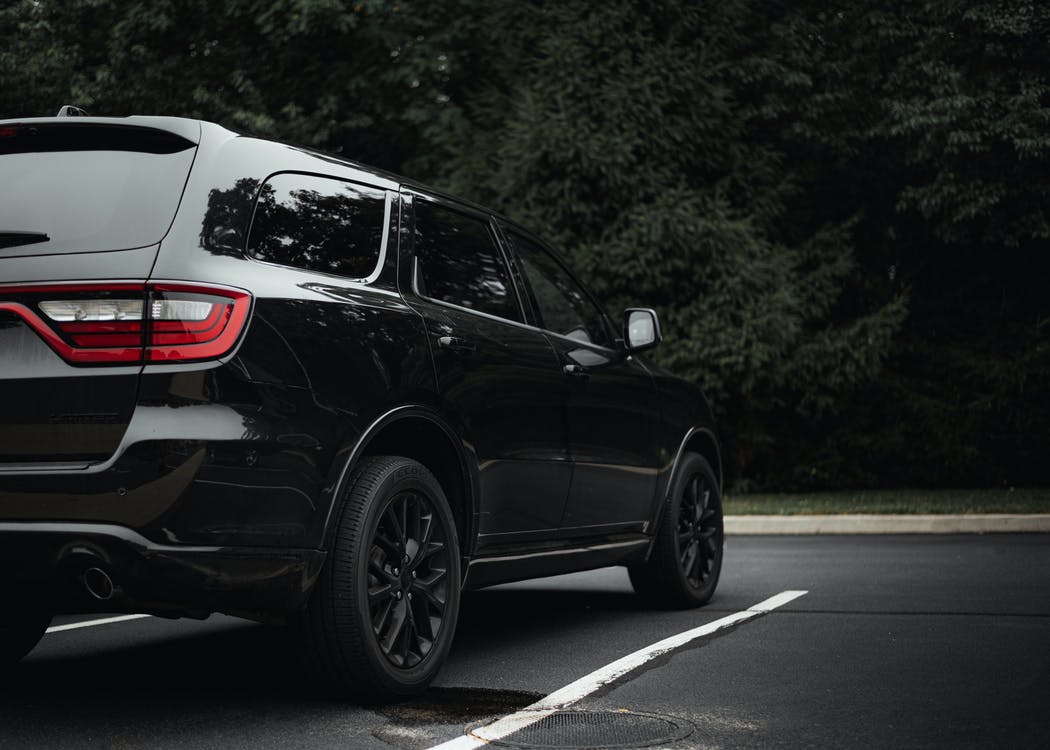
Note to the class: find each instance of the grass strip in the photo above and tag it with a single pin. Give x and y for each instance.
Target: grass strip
(1008, 500)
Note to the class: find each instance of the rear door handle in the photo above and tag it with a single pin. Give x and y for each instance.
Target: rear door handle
(457, 344)
(577, 371)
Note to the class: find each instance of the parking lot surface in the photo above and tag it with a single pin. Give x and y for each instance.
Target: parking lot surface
(917, 641)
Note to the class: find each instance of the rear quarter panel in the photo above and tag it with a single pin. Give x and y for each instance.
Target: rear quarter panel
(261, 438)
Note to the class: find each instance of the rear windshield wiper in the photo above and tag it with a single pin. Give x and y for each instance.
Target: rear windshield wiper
(13, 239)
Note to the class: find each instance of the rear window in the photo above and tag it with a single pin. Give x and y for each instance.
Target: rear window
(68, 188)
(319, 224)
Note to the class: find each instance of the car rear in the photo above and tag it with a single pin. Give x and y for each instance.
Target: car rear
(83, 207)
(86, 476)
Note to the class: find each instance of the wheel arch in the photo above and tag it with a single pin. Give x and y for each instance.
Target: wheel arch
(422, 435)
(699, 440)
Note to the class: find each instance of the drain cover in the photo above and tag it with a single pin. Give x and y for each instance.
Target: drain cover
(581, 729)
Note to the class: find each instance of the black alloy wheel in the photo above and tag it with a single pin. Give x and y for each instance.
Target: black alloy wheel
(699, 531)
(383, 612)
(686, 560)
(408, 579)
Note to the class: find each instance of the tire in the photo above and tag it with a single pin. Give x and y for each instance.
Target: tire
(686, 560)
(380, 620)
(19, 634)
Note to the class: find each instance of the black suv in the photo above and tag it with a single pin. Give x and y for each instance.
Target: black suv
(239, 376)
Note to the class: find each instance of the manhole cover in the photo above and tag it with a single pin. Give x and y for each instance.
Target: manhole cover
(591, 729)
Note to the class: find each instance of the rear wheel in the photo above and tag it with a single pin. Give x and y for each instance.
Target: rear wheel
(19, 633)
(686, 560)
(381, 618)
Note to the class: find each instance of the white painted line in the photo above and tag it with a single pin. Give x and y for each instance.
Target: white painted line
(581, 688)
(91, 623)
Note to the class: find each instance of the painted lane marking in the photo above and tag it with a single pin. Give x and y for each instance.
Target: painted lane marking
(581, 688)
(90, 623)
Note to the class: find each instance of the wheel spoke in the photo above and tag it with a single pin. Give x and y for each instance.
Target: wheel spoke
(388, 546)
(696, 571)
(396, 527)
(428, 587)
(413, 543)
(379, 593)
(382, 619)
(403, 520)
(427, 531)
(422, 556)
(408, 637)
(392, 637)
(377, 569)
(421, 619)
(689, 557)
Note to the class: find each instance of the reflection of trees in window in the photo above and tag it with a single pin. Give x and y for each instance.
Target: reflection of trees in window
(459, 263)
(226, 219)
(564, 307)
(319, 224)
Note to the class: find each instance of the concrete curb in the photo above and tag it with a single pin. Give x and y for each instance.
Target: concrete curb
(986, 523)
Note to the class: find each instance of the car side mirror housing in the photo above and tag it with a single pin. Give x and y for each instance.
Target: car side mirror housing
(641, 329)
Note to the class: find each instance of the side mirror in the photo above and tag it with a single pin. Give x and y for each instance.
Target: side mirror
(641, 329)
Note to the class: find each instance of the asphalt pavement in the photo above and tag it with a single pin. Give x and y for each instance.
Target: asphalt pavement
(901, 641)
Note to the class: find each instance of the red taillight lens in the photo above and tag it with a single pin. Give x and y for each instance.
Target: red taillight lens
(101, 329)
(194, 322)
(130, 323)
(72, 319)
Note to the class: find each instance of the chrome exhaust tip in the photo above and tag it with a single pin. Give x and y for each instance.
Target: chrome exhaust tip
(99, 584)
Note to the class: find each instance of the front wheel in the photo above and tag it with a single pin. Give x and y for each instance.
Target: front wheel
(381, 618)
(20, 632)
(686, 560)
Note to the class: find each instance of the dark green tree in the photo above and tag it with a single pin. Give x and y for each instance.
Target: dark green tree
(644, 140)
(322, 73)
(931, 120)
(839, 209)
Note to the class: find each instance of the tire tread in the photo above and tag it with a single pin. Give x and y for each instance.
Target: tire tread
(660, 580)
(330, 643)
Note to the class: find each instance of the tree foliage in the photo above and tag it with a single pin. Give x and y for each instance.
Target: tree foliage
(839, 209)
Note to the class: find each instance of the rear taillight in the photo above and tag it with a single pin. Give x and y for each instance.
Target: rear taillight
(129, 323)
(194, 322)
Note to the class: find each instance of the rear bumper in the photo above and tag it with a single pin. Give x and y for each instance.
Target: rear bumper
(46, 561)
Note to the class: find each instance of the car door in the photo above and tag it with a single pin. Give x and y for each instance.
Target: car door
(612, 409)
(500, 379)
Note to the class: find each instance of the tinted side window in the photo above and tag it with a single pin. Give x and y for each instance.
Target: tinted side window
(459, 262)
(564, 307)
(319, 224)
